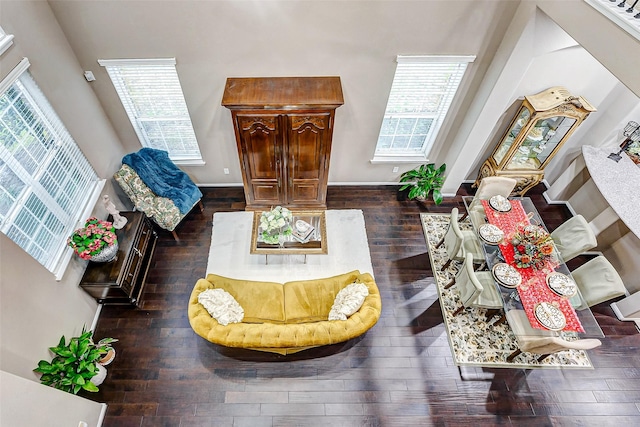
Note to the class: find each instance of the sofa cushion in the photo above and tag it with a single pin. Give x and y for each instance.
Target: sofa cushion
(348, 301)
(261, 301)
(221, 306)
(311, 300)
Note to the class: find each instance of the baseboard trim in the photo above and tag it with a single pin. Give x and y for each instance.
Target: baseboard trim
(345, 183)
(621, 317)
(96, 317)
(219, 184)
(103, 413)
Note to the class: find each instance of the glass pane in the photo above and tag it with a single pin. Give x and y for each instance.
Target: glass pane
(405, 126)
(384, 142)
(389, 126)
(423, 126)
(401, 142)
(417, 141)
(512, 134)
(540, 142)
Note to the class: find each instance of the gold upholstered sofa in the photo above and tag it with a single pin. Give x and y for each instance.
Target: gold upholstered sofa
(284, 318)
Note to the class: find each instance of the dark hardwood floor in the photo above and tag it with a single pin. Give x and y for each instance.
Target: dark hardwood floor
(398, 374)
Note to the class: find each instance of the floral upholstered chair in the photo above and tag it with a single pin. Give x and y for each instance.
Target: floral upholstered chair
(161, 210)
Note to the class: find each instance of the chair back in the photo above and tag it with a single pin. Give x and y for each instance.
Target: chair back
(467, 283)
(574, 237)
(542, 341)
(598, 281)
(548, 345)
(493, 186)
(453, 237)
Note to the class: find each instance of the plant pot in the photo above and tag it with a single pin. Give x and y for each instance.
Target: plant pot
(100, 376)
(402, 195)
(108, 254)
(108, 358)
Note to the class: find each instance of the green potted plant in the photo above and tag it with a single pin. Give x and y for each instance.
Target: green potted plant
(423, 180)
(75, 365)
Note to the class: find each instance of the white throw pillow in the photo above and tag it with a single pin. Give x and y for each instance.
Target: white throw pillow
(222, 306)
(348, 301)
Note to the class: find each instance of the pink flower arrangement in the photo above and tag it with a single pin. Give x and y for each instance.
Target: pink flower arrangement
(93, 238)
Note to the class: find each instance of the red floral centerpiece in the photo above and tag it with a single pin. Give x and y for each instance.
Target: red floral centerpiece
(532, 246)
(97, 241)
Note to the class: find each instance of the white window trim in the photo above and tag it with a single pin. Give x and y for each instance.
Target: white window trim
(65, 253)
(385, 158)
(186, 161)
(6, 40)
(65, 259)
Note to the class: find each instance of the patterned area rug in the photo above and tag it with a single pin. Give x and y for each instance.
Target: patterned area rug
(473, 342)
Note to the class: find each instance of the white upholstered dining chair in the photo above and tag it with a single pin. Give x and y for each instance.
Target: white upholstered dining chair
(573, 237)
(539, 341)
(459, 242)
(476, 288)
(598, 281)
(489, 186)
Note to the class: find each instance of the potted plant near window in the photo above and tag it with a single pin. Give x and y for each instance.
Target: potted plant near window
(424, 180)
(75, 365)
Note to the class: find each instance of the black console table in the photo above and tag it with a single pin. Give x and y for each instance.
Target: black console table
(122, 281)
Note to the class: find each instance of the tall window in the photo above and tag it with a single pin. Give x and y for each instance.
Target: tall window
(421, 94)
(45, 180)
(152, 97)
(6, 40)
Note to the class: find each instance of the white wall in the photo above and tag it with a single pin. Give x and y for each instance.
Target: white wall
(537, 54)
(53, 408)
(214, 40)
(35, 310)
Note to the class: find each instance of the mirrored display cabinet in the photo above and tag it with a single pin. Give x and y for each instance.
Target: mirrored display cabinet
(542, 125)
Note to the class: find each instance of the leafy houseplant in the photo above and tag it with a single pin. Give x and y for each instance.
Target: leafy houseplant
(75, 363)
(93, 238)
(423, 180)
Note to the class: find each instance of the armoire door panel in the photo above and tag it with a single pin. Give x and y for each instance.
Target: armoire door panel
(307, 136)
(265, 193)
(306, 192)
(260, 145)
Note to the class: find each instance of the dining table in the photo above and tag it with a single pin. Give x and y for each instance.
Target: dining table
(540, 284)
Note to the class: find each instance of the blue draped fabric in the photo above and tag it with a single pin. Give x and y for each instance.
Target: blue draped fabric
(163, 177)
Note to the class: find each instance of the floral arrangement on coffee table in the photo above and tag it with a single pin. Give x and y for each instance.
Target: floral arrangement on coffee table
(93, 238)
(275, 223)
(532, 246)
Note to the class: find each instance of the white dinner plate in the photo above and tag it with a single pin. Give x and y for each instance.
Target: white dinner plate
(500, 203)
(550, 316)
(561, 284)
(490, 234)
(506, 275)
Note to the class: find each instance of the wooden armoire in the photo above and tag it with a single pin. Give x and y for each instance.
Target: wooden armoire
(283, 128)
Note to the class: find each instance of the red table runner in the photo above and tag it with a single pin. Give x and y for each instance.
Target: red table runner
(533, 289)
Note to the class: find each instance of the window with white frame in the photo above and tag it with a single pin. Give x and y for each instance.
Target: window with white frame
(151, 94)
(421, 94)
(6, 40)
(46, 183)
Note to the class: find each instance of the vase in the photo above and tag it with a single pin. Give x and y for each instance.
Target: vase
(108, 358)
(108, 254)
(99, 378)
